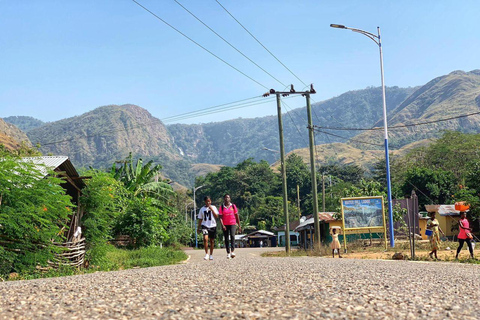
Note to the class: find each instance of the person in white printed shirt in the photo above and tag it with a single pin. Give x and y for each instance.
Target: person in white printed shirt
(208, 225)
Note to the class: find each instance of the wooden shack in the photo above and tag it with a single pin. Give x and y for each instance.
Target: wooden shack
(74, 247)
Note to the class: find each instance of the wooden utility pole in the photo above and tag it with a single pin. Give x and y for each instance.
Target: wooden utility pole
(284, 175)
(323, 191)
(282, 159)
(311, 136)
(298, 202)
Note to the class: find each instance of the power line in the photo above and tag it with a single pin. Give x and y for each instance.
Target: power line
(213, 54)
(219, 107)
(260, 43)
(400, 126)
(231, 45)
(349, 139)
(217, 111)
(291, 119)
(202, 112)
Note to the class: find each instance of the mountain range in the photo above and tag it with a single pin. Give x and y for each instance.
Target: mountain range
(348, 126)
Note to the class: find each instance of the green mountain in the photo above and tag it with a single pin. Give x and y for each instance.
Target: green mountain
(107, 134)
(12, 137)
(447, 97)
(230, 142)
(24, 123)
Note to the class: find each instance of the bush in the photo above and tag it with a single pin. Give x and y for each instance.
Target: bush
(34, 212)
(103, 199)
(143, 222)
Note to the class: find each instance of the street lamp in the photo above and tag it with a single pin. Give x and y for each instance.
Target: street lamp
(195, 215)
(378, 41)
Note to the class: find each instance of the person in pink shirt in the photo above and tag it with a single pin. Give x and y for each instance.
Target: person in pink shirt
(229, 219)
(464, 234)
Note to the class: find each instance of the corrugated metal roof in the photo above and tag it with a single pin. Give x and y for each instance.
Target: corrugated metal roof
(322, 216)
(61, 163)
(51, 162)
(263, 232)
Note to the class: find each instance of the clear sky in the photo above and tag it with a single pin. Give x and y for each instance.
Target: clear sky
(62, 58)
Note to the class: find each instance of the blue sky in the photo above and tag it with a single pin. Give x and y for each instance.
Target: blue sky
(60, 58)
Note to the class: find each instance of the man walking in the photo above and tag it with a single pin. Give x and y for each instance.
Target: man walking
(208, 225)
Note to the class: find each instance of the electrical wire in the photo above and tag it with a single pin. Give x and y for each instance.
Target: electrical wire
(184, 116)
(400, 126)
(231, 45)
(258, 41)
(199, 45)
(218, 107)
(349, 139)
(293, 121)
(274, 56)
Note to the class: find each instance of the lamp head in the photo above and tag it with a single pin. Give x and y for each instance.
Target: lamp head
(338, 26)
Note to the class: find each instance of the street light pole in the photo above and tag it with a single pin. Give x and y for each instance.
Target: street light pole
(186, 206)
(377, 39)
(195, 215)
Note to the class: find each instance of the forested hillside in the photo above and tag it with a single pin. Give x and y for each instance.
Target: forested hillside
(12, 137)
(24, 123)
(230, 142)
(107, 134)
(440, 105)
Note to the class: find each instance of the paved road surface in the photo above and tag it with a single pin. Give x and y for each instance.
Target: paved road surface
(252, 287)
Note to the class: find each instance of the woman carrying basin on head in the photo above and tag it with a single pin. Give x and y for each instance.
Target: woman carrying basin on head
(433, 225)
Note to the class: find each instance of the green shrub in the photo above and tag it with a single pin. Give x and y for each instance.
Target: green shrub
(34, 212)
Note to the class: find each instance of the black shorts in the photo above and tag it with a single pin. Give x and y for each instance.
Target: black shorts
(211, 232)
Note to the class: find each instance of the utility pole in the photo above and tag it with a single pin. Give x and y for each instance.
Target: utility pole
(311, 136)
(282, 161)
(323, 191)
(284, 175)
(298, 202)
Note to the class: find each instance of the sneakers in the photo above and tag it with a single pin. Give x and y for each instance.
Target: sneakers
(229, 256)
(232, 254)
(211, 257)
(206, 257)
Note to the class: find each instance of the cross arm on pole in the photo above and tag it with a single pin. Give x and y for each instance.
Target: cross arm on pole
(292, 91)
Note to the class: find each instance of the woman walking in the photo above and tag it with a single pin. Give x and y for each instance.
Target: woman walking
(206, 220)
(464, 234)
(432, 224)
(229, 220)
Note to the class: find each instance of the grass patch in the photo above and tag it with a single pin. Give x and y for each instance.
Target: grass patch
(144, 257)
(111, 259)
(323, 251)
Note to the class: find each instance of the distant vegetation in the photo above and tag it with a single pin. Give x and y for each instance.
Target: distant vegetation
(108, 134)
(24, 123)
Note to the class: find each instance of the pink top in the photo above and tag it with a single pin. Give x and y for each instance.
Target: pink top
(462, 234)
(227, 214)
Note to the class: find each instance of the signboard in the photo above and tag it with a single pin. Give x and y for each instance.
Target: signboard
(363, 215)
(363, 212)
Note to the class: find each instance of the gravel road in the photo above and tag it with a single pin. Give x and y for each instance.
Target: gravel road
(252, 287)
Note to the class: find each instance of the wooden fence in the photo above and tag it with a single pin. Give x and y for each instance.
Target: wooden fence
(71, 254)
